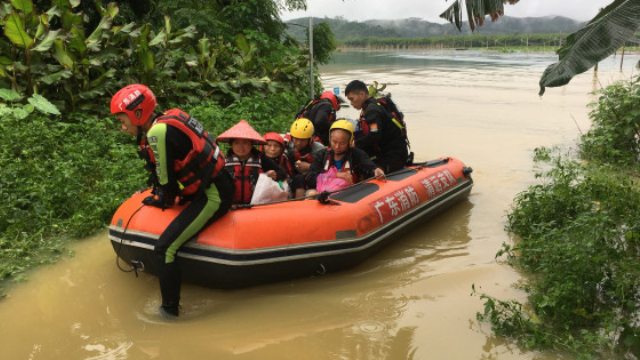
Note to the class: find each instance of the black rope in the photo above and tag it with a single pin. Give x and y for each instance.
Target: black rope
(124, 231)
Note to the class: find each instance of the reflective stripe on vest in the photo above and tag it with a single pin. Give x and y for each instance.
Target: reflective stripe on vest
(244, 176)
(203, 162)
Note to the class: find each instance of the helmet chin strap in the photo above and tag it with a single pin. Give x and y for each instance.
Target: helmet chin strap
(139, 138)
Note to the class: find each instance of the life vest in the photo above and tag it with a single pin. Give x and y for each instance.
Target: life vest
(307, 157)
(245, 176)
(203, 162)
(310, 109)
(391, 111)
(328, 161)
(283, 162)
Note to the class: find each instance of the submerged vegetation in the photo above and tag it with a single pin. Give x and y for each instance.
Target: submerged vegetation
(580, 241)
(65, 165)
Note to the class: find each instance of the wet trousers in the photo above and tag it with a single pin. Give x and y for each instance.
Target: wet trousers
(200, 212)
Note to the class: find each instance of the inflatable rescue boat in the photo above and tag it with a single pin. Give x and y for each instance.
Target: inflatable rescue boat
(297, 238)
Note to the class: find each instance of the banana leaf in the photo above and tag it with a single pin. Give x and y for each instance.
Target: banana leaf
(597, 40)
(476, 11)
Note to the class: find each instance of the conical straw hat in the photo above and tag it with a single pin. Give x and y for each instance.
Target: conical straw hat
(241, 130)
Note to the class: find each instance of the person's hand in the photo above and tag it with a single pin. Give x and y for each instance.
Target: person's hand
(345, 175)
(302, 167)
(272, 174)
(160, 199)
(378, 172)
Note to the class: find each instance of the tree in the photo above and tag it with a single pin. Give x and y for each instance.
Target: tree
(324, 42)
(586, 47)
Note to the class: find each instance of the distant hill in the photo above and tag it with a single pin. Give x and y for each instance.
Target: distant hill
(417, 28)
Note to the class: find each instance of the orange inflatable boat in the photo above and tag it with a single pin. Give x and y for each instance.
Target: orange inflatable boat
(297, 238)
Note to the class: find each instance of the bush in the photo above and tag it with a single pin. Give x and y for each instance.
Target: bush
(580, 230)
(616, 126)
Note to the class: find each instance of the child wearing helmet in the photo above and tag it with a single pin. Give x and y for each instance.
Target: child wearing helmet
(350, 163)
(301, 151)
(322, 113)
(185, 162)
(245, 163)
(274, 149)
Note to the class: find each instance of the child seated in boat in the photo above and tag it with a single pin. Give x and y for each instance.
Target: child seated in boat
(350, 164)
(245, 163)
(301, 151)
(274, 149)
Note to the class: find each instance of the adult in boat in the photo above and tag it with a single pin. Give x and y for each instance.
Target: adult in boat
(347, 162)
(274, 149)
(245, 163)
(301, 151)
(322, 113)
(377, 134)
(185, 162)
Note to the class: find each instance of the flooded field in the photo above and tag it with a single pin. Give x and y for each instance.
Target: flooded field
(410, 301)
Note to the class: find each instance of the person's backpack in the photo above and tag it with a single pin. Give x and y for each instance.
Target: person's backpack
(306, 108)
(397, 117)
(392, 110)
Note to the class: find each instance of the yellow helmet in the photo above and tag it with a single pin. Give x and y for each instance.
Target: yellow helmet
(344, 125)
(302, 129)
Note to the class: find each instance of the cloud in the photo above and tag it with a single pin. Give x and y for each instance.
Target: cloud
(359, 10)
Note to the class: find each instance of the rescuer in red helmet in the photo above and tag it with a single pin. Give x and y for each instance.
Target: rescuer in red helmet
(185, 163)
(322, 113)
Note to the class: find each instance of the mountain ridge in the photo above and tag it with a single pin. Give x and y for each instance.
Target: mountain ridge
(413, 27)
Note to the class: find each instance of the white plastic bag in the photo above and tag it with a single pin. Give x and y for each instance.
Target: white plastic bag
(267, 190)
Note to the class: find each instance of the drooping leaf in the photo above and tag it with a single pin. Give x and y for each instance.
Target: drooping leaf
(242, 43)
(43, 105)
(56, 76)
(112, 9)
(167, 24)
(26, 6)
(61, 55)
(102, 78)
(74, 3)
(14, 30)
(54, 11)
(43, 25)
(158, 39)
(146, 58)
(9, 95)
(105, 23)
(598, 39)
(476, 11)
(47, 42)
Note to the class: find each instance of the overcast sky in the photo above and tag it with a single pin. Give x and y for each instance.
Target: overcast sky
(359, 10)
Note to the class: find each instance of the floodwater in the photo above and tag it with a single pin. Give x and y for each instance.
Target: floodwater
(410, 301)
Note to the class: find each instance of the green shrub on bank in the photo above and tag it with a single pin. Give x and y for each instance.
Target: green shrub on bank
(614, 137)
(580, 231)
(64, 180)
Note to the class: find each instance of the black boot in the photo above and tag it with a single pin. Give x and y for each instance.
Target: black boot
(170, 280)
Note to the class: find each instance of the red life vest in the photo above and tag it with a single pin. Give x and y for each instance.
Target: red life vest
(308, 157)
(203, 162)
(245, 176)
(283, 162)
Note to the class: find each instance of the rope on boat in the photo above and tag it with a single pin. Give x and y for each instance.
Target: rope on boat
(323, 197)
(134, 266)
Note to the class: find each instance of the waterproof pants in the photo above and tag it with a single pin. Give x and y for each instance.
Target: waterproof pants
(200, 212)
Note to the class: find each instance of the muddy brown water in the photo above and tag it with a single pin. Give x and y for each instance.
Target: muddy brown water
(410, 301)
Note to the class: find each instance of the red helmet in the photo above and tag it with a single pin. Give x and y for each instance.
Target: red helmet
(332, 97)
(275, 137)
(131, 98)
